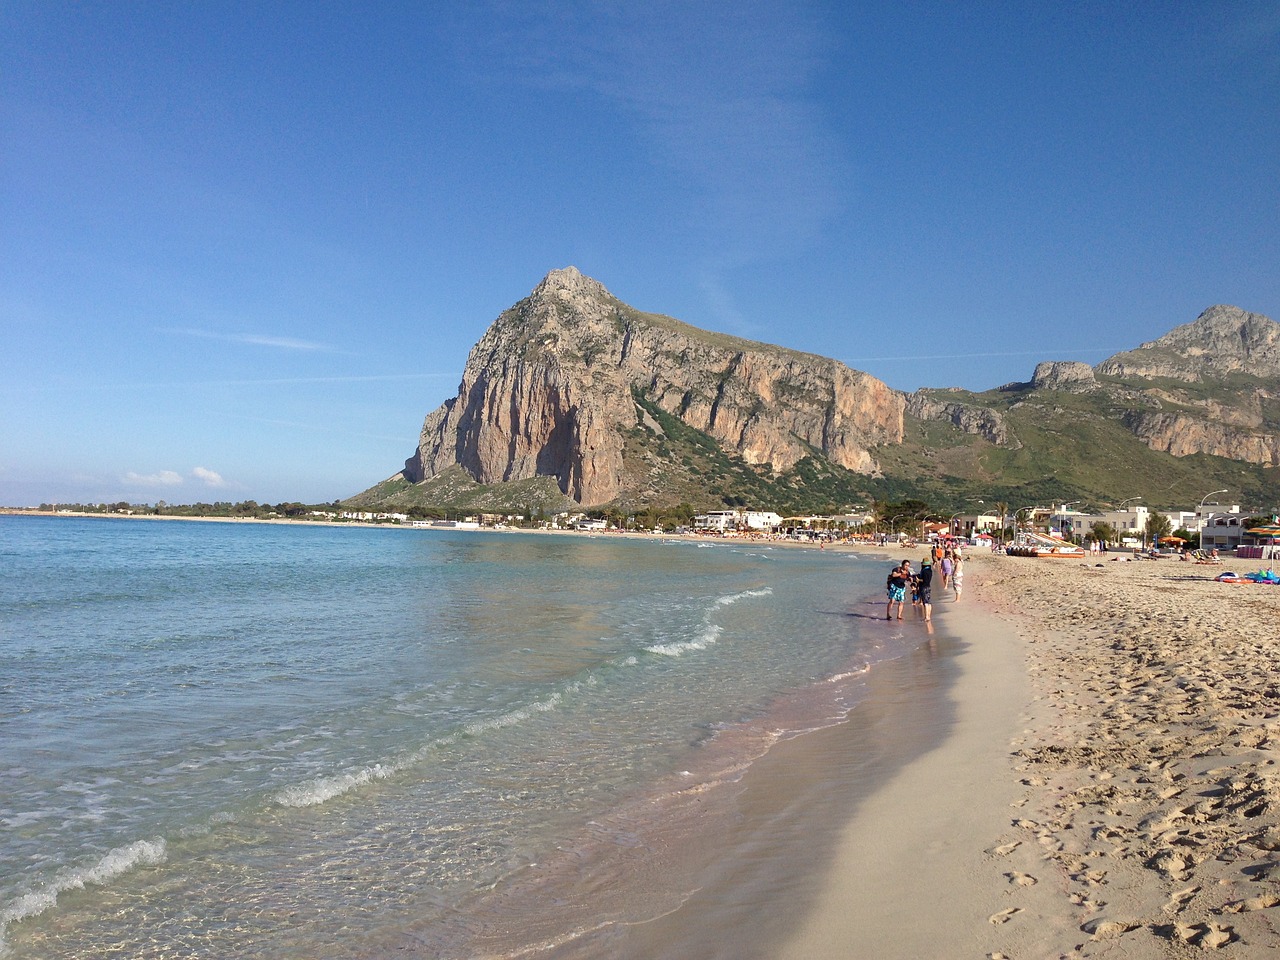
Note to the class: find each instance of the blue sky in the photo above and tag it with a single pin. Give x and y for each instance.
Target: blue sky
(245, 248)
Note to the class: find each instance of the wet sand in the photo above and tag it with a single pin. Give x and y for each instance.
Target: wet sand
(780, 870)
(1110, 786)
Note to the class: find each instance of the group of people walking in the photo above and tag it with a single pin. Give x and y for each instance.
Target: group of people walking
(947, 563)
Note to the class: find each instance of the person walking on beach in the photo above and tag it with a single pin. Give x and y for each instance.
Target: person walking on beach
(924, 588)
(957, 576)
(946, 568)
(896, 587)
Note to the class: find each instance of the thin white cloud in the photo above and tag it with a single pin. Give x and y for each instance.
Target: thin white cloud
(163, 478)
(1060, 351)
(720, 94)
(208, 477)
(257, 340)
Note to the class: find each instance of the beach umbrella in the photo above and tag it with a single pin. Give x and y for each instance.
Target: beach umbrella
(1270, 530)
(1172, 540)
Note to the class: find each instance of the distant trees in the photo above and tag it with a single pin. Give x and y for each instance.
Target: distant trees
(1158, 527)
(1100, 531)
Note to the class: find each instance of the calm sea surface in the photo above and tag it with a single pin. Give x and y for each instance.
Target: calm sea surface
(234, 740)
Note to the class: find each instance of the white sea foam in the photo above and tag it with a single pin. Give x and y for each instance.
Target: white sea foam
(140, 853)
(322, 789)
(709, 635)
(734, 598)
(514, 717)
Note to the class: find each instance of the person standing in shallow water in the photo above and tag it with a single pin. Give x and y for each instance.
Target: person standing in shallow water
(924, 587)
(896, 588)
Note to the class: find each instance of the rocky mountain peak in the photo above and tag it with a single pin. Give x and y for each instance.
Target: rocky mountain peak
(569, 284)
(1066, 375)
(1222, 340)
(551, 387)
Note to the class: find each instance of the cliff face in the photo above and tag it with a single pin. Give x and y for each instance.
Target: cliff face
(1222, 341)
(981, 421)
(1229, 361)
(548, 391)
(1183, 435)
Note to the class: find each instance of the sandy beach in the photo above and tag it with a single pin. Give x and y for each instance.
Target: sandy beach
(1109, 786)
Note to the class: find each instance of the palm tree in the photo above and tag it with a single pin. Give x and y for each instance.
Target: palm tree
(1002, 509)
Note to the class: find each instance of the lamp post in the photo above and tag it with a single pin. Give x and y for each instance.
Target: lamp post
(1206, 497)
(1200, 509)
(893, 524)
(1120, 509)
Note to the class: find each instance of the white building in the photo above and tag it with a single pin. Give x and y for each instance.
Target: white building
(1130, 524)
(1222, 530)
(765, 520)
(723, 521)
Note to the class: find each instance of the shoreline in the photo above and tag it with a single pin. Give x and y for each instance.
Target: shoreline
(1111, 785)
(910, 875)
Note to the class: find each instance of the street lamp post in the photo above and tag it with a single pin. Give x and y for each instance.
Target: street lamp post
(893, 524)
(1200, 510)
(1206, 497)
(1120, 509)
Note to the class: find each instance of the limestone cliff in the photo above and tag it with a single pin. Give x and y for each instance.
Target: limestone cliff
(971, 418)
(548, 391)
(1227, 361)
(1223, 340)
(1183, 435)
(1068, 375)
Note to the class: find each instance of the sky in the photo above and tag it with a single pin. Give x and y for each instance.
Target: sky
(245, 248)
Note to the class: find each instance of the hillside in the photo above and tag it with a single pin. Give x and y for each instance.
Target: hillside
(574, 398)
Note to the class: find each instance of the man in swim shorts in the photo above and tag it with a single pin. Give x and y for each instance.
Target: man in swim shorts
(896, 588)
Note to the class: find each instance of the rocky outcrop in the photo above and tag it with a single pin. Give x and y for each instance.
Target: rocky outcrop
(1066, 375)
(1183, 435)
(547, 391)
(970, 418)
(1223, 340)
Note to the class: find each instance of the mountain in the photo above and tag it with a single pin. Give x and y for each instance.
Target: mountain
(573, 397)
(570, 382)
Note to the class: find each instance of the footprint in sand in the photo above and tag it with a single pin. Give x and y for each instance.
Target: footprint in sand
(1005, 849)
(1107, 929)
(1209, 936)
(1252, 904)
(1022, 879)
(1004, 916)
(1178, 901)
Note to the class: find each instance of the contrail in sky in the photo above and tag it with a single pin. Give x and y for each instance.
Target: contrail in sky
(972, 356)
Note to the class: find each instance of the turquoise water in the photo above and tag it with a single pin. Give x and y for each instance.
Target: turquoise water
(229, 740)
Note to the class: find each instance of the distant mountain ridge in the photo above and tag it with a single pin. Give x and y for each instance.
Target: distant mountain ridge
(572, 393)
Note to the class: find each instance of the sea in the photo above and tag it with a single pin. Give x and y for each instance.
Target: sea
(230, 739)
